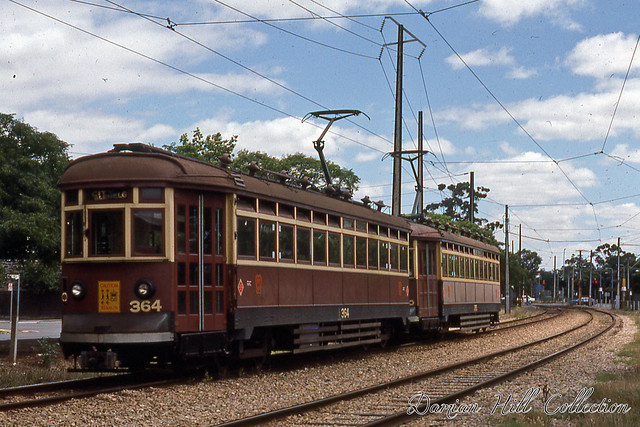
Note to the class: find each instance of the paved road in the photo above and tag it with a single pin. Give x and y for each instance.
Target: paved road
(32, 329)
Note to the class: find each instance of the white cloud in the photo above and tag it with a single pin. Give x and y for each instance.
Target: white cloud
(623, 153)
(482, 57)
(510, 12)
(56, 64)
(531, 178)
(603, 55)
(581, 117)
(521, 73)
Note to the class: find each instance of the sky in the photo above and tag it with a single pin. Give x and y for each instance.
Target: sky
(540, 99)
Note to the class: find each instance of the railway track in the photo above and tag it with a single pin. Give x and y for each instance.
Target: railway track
(43, 394)
(538, 317)
(388, 403)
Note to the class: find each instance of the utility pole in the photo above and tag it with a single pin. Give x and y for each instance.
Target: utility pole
(507, 291)
(590, 274)
(397, 136)
(618, 285)
(472, 196)
(580, 274)
(555, 279)
(418, 205)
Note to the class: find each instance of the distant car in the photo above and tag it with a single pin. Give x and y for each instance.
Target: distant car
(586, 301)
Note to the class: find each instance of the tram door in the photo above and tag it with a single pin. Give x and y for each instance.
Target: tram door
(428, 293)
(200, 262)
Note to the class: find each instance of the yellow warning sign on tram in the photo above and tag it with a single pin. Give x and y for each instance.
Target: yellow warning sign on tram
(109, 297)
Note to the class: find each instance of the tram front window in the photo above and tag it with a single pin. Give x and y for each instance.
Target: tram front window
(107, 232)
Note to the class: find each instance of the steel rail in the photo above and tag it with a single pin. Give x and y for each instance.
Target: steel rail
(312, 405)
(403, 416)
(133, 382)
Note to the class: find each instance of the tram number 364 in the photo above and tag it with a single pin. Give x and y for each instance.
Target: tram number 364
(144, 306)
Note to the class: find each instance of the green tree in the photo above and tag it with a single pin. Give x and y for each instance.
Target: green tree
(457, 205)
(31, 163)
(208, 149)
(530, 261)
(298, 165)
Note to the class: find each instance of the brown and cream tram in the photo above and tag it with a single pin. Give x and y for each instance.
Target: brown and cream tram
(167, 258)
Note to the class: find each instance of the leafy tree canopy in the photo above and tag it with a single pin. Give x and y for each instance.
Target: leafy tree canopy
(530, 261)
(457, 206)
(31, 163)
(208, 149)
(298, 165)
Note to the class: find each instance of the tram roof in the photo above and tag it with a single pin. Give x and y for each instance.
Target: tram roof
(146, 165)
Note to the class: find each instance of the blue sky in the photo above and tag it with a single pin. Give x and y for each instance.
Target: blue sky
(95, 74)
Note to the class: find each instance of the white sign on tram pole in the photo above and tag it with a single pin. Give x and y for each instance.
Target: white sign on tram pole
(13, 316)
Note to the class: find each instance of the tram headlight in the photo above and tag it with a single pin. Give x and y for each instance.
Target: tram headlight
(78, 290)
(144, 288)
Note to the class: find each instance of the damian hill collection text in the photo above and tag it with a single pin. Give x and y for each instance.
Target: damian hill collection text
(420, 404)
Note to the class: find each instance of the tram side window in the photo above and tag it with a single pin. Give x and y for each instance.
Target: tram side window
(107, 232)
(384, 255)
(334, 249)
(372, 249)
(348, 248)
(247, 237)
(147, 232)
(303, 241)
(361, 252)
(403, 258)
(285, 239)
(393, 256)
(181, 232)
(319, 247)
(193, 229)
(267, 240)
(73, 234)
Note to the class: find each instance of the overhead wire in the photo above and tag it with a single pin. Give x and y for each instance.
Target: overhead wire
(624, 82)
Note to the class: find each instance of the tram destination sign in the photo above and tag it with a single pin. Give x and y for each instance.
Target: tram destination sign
(109, 194)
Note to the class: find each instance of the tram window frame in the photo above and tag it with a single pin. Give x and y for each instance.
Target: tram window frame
(207, 229)
(361, 252)
(303, 245)
(74, 235)
(394, 261)
(348, 251)
(372, 254)
(333, 244)
(348, 223)
(72, 198)
(118, 214)
(266, 207)
(383, 249)
(143, 230)
(285, 211)
(286, 243)
(319, 218)
(333, 221)
(267, 240)
(361, 226)
(404, 260)
(246, 203)
(151, 195)
(181, 229)
(303, 215)
(246, 237)
(193, 226)
(319, 247)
